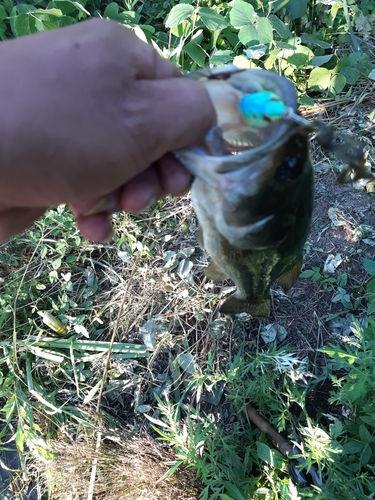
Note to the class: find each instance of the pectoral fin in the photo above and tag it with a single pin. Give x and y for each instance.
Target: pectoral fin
(213, 272)
(235, 305)
(288, 279)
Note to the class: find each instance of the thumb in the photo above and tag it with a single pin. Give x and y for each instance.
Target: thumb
(179, 113)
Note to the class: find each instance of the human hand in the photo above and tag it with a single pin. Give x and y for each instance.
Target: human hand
(89, 116)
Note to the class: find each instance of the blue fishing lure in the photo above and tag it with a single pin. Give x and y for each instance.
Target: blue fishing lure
(262, 108)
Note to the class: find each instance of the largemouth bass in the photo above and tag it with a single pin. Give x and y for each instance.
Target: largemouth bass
(253, 189)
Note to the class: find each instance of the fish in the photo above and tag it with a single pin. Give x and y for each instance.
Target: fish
(253, 188)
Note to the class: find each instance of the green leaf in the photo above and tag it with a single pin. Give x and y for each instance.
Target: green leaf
(78, 6)
(197, 54)
(49, 12)
(265, 34)
(271, 457)
(124, 17)
(307, 274)
(313, 42)
(22, 9)
(20, 438)
(336, 429)
(352, 75)
(360, 61)
(281, 28)
(273, 56)
(337, 84)
(320, 60)
(56, 264)
(371, 307)
(370, 286)
(46, 22)
(178, 14)
(319, 79)
(301, 57)
(278, 4)
(111, 11)
(248, 34)
(221, 57)
(305, 100)
(241, 14)
(9, 407)
(369, 265)
(287, 45)
(23, 24)
(364, 434)
(296, 8)
(183, 29)
(366, 455)
(352, 447)
(3, 14)
(212, 20)
(233, 491)
(129, 350)
(187, 363)
(369, 420)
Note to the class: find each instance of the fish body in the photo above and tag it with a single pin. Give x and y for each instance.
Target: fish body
(252, 193)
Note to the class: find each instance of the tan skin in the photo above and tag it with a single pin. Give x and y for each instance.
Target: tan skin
(88, 115)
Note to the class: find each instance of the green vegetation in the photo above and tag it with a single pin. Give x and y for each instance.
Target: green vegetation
(294, 37)
(174, 366)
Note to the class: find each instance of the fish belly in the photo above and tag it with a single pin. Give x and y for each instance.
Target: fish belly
(253, 272)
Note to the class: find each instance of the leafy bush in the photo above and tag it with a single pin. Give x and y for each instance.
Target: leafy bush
(293, 37)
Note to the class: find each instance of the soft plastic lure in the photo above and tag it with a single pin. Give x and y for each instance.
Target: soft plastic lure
(54, 323)
(262, 108)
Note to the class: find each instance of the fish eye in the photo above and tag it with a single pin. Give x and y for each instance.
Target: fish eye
(288, 170)
(292, 166)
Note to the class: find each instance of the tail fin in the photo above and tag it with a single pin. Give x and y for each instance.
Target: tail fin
(235, 305)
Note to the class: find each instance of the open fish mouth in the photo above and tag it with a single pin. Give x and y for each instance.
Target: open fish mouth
(233, 143)
(229, 87)
(226, 87)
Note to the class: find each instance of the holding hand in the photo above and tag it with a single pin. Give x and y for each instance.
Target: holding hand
(89, 114)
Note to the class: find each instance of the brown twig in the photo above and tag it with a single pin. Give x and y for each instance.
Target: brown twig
(284, 446)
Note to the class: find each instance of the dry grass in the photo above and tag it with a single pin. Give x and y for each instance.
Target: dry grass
(127, 468)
